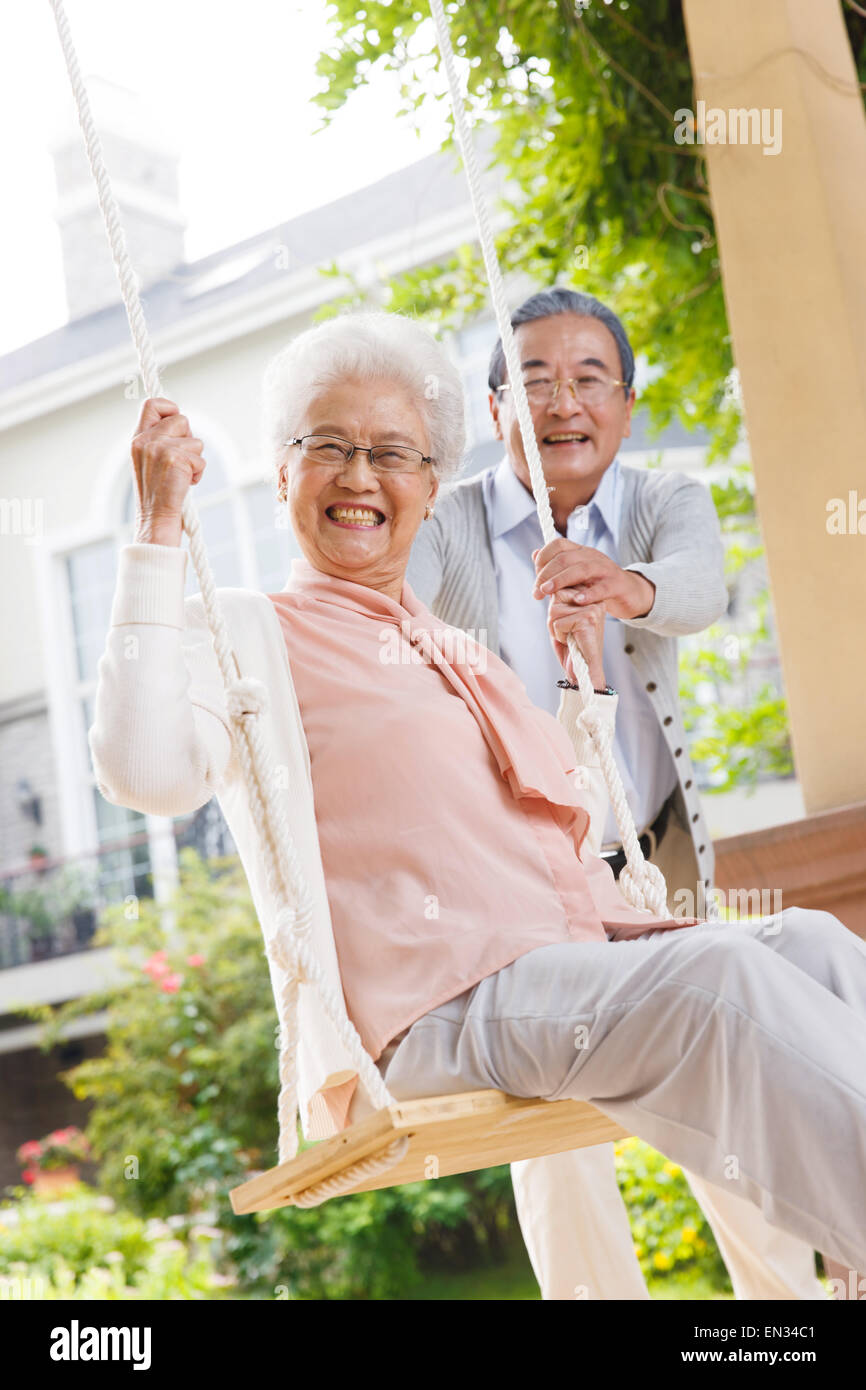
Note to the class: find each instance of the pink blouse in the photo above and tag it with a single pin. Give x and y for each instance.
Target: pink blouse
(450, 822)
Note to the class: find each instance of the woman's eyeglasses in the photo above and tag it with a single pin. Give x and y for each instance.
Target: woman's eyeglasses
(384, 458)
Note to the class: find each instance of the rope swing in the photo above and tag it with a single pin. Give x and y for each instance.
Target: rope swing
(247, 698)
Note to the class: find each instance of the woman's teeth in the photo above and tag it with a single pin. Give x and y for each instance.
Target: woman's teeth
(356, 516)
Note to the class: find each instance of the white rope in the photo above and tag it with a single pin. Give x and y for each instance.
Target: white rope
(641, 883)
(358, 1172)
(247, 701)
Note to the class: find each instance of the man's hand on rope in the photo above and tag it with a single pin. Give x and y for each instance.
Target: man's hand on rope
(591, 577)
(585, 623)
(167, 459)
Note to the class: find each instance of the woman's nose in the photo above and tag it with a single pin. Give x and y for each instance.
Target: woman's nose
(359, 469)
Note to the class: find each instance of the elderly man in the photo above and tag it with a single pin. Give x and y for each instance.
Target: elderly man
(647, 545)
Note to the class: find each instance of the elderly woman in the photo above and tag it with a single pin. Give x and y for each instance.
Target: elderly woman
(480, 941)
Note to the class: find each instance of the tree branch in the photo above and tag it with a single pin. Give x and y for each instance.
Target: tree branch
(707, 239)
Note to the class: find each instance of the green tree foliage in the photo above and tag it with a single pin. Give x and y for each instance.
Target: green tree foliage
(737, 721)
(580, 99)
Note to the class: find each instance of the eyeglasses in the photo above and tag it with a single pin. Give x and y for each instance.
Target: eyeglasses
(328, 449)
(588, 390)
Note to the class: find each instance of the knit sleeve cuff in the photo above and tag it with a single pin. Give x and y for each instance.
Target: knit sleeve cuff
(150, 585)
(660, 612)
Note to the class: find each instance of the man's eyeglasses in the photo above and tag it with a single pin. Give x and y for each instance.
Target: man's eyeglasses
(590, 389)
(328, 449)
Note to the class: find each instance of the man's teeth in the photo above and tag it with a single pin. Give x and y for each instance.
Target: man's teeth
(556, 438)
(359, 515)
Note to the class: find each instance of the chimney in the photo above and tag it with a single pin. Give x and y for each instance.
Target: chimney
(142, 163)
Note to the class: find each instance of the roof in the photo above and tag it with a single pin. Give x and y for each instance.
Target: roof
(403, 201)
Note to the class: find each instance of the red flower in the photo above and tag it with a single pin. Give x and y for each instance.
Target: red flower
(28, 1175)
(195, 960)
(156, 966)
(32, 1149)
(171, 984)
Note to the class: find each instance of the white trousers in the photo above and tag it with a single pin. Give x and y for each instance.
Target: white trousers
(739, 1051)
(576, 1230)
(574, 1221)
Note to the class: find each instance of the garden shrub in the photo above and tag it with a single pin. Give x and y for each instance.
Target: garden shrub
(671, 1234)
(83, 1247)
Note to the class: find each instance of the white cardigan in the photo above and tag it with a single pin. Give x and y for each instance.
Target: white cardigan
(162, 743)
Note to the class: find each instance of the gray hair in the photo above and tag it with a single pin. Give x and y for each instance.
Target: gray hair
(369, 346)
(560, 300)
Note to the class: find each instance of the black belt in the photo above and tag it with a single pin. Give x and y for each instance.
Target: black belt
(617, 860)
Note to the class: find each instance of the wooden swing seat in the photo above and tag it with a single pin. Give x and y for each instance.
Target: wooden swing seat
(447, 1134)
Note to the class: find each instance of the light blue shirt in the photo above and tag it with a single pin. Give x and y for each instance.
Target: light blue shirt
(642, 755)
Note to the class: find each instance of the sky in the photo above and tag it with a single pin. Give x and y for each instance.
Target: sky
(231, 80)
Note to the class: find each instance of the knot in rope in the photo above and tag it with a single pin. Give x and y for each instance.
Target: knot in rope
(296, 922)
(247, 697)
(591, 722)
(284, 953)
(649, 892)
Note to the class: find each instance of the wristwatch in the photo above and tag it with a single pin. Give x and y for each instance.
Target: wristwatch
(567, 685)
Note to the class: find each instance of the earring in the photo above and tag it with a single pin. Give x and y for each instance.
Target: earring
(428, 511)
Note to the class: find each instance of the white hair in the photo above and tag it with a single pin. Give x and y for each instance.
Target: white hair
(368, 346)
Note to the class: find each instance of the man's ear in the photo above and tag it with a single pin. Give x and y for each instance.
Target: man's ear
(493, 402)
(629, 406)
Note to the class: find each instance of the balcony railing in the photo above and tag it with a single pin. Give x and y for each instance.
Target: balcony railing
(52, 908)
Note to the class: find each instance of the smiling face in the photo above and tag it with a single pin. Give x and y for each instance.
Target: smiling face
(577, 443)
(370, 543)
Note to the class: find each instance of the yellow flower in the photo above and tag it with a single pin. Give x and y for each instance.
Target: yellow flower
(662, 1260)
(640, 1251)
(673, 1170)
(688, 1234)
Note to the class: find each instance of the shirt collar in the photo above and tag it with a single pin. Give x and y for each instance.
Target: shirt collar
(304, 578)
(606, 498)
(511, 503)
